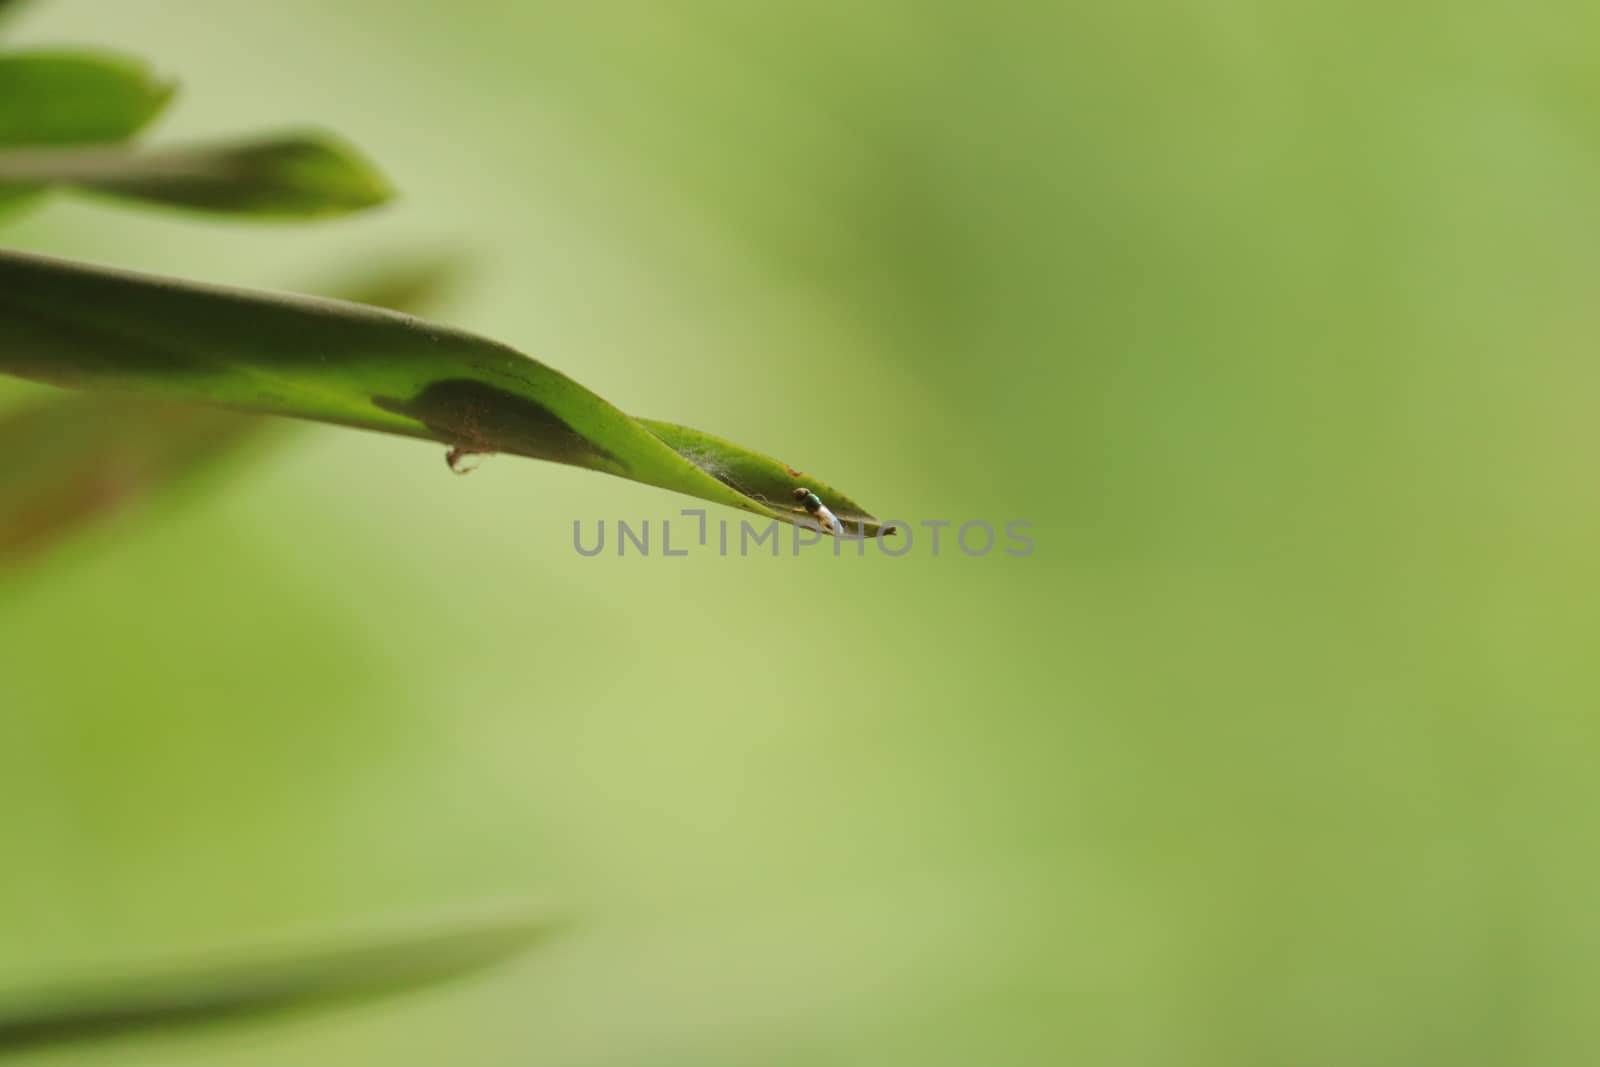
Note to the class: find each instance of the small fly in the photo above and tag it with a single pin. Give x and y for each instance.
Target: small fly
(819, 511)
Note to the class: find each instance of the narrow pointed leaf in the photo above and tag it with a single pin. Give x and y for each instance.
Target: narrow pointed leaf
(93, 327)
(275, 976)
(74, 98)
(296, 176)
(91, 455)
(759, 477)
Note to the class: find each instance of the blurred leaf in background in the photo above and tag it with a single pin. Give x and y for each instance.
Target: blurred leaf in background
(76, 97)
(281, 976)
(64, 98)
(293, 176)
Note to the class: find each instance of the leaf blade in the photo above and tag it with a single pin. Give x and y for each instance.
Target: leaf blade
(76, 97)
(96, 454)
(294, 176)
(757, 476)
(265, 977)
(78, 325)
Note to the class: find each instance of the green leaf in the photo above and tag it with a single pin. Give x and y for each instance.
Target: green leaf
(74, 98)
(91, 455)
(269, 977)
(50, 98)
(93, 327)
(759, 477)
(295, 176)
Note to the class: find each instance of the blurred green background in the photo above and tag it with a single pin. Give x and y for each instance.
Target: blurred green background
(1275, 320)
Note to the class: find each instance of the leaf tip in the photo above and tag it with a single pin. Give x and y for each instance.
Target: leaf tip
(337, 172)
(160, 92)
